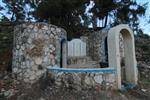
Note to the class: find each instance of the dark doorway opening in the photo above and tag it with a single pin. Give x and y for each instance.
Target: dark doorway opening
(61, 52)
(106, 49)
(104, 64)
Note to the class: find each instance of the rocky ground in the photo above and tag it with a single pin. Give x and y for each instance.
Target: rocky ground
(45, 89)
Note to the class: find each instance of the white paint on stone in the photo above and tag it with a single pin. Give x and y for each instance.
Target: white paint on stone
(129, 53)
(76, 47)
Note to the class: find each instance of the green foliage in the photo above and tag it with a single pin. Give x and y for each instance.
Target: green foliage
(65, 13)
(16, 9)
(142, 44)
(123, 11)
(57, 8)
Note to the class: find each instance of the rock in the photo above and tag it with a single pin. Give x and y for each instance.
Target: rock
(29, 41)
(23, 63)
(17, 47)
(6, 77)
(87, 80)
(38, 73)
(111, 78)
(52, 29)
(32, 63)
(58, 83)
(9, 93)
(53, 62)
(98, 79)
(51, 36)
(26, 75)
(30, 26)
(41, 98)
(51, 51)
(38, 61)
(22, 47)
(50, 46)
(15, 70)
(26, 80)
(23, 66)
(35, 29)
(20, 74)
(45, 28)
(51, 56)
(45, 59)
(144, 90)
(58, 30)
(32, 77)
(28, 63)
(53, 48)
(34, 68)
(56, 37)
(3, 90)
(46, 49)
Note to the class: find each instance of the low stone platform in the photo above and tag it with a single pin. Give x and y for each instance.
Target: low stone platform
(82, 78)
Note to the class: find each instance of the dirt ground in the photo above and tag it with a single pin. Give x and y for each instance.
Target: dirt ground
(45, 89)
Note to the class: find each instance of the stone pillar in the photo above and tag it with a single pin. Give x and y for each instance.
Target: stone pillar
(65, 54)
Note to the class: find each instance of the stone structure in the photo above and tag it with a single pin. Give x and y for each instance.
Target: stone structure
(129, 53)
(36, 46)
(97, 42)
(79, 79)
(39, 45)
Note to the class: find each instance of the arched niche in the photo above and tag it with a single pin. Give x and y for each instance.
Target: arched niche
(129, 53)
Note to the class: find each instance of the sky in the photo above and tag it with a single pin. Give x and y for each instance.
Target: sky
(144, 25)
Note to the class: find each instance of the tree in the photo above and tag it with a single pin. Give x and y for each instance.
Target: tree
(121, 11)
(63, 13)
(73, 15)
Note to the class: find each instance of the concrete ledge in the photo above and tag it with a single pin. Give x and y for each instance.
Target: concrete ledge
(103, 70)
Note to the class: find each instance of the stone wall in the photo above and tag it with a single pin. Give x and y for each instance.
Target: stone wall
(81, 80)
(36, 46)
(96, 45)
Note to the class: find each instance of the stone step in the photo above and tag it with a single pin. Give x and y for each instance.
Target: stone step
(92, 62)
(78, 60)
(87, 65)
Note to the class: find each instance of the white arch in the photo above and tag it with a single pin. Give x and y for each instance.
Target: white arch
(129, 50)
